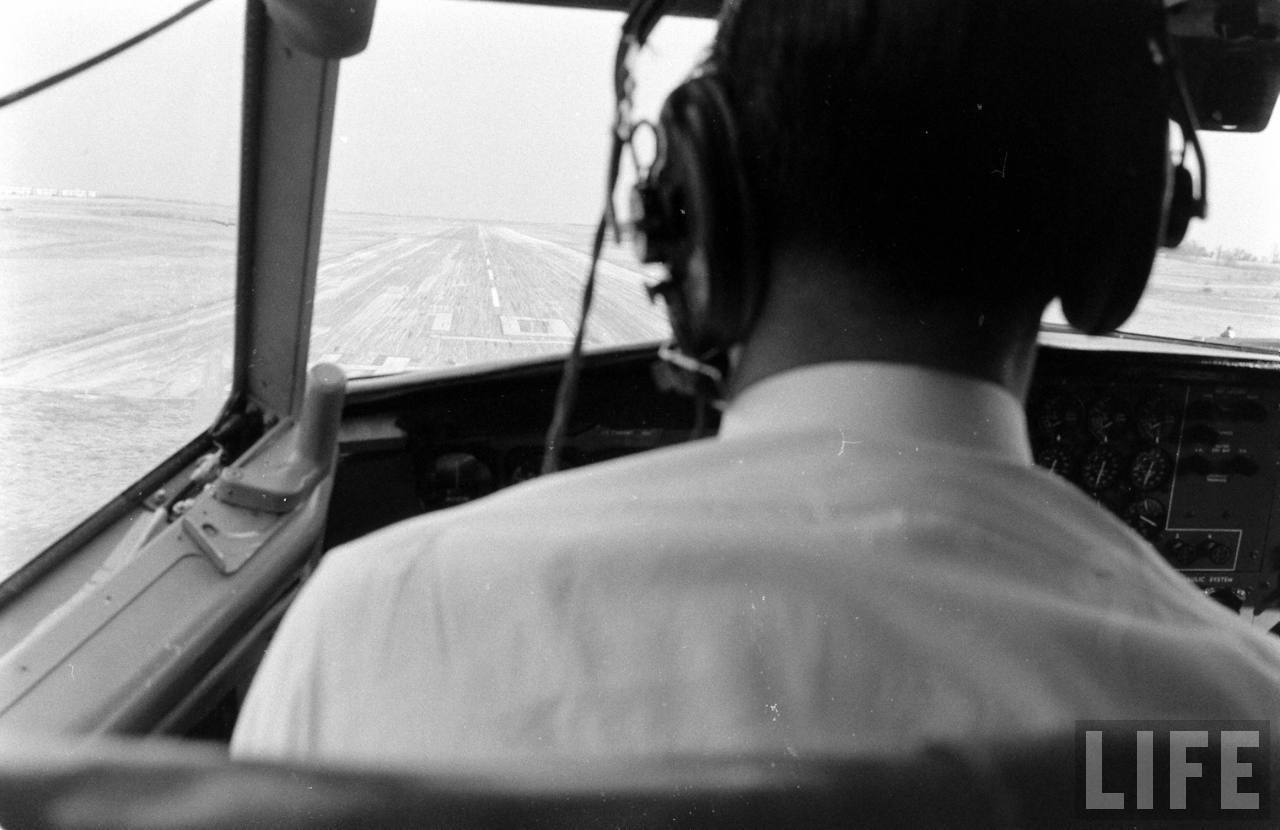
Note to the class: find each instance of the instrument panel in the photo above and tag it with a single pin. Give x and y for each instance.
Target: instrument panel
(1184, 448)
(470, 470)
(1189, 458)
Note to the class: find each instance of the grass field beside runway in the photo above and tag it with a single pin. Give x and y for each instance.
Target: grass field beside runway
(1199, 298)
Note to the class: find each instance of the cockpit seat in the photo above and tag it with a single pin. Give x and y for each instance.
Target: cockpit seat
(164, 784)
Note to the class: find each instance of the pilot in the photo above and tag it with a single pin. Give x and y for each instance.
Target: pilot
(866, 207)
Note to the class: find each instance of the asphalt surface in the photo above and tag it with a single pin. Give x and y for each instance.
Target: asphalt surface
(467, 293)
(438, 295)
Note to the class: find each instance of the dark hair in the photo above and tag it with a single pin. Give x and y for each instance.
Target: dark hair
(959, 145)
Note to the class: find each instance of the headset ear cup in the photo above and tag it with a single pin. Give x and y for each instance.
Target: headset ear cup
(657, 230)
(1112, 298)
(712, 255)
(1119, 221)
(1118, 205)
(1110, 261)
(1181, 208)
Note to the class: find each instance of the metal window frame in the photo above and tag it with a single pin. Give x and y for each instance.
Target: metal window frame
(288, 126)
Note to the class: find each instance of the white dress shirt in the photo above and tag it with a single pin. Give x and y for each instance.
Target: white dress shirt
(864, 559)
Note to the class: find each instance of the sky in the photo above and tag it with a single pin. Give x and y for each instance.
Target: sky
(458, 108)
(160, 120)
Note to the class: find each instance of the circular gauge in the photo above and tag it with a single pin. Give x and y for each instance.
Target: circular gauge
(1179, 552)
(1150, 469)
(1058, 415)
(455, 478)
(1108, 419)
(1146, 517)
(1057, 458)
(524, 472)
(1215, 551)
(524, 469)
(523, 464)
(1101, 468)
(1157, 419)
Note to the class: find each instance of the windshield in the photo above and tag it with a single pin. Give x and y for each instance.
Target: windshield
(117, 252)
(466, 176)
(467, 171)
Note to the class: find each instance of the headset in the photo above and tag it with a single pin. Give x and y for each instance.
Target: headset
(1188, 199)
(694, 200)
(693, 211)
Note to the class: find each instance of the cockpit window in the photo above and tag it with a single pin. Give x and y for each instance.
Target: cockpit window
(466, 176)
(117, 252)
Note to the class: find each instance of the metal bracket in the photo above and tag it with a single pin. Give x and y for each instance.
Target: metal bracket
(273, 478)
(284, 467)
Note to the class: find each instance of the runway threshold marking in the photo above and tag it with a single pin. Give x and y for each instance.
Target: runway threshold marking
(538, 327)
(369, 364)
(504, 340)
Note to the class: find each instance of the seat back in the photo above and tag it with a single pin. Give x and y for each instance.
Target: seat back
(167, 784)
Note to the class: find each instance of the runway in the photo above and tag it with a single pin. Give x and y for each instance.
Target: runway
(117, 325)
(468, 293)
(117, 328)
(392, 294)
(135, 298)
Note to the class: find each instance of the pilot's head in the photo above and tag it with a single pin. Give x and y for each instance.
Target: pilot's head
(915, 179)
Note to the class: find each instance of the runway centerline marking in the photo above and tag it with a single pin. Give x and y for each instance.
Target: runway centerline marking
(493, 293)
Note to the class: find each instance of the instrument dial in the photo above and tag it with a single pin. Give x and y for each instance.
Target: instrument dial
(1108, 419)
(1157, 419)
(455, 478)
(1215, 551)
(1150, 469)
(1058, 415)
(1179, 552)
(1101, 469)
(524, 471)
(1146, 517)
(1058, 459)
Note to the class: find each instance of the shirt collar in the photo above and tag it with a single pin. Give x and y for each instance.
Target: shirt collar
(884, 402)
